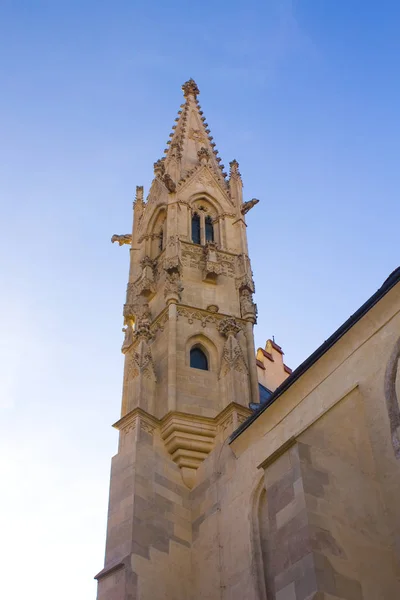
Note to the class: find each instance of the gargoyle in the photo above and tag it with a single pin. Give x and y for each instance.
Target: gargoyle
(122, 239)
(248, 205)
(169, 183)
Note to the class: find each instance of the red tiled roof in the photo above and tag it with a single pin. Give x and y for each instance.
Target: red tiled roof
(267, 354)
(277, 348)
(260, 364)
(287, 369)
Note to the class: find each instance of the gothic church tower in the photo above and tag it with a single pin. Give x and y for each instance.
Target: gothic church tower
(190, 370)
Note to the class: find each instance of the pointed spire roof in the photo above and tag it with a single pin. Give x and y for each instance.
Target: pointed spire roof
(191, 144)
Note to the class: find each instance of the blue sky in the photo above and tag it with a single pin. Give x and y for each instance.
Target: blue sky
(304, 94)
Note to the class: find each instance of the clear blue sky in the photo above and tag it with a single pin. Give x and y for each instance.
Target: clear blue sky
(304, 94)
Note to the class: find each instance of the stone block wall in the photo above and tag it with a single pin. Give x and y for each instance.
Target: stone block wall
(149, 523)
(322, 517)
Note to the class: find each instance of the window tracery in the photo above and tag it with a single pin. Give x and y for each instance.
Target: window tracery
(202, 224)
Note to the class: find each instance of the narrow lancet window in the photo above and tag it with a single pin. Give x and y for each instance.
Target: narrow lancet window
(198, 360)
(196, 239)
(209, 229)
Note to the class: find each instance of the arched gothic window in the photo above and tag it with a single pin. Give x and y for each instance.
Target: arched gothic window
(161, 241)
(198, 360)
(196, 236)
(209, 227)
(202, 227)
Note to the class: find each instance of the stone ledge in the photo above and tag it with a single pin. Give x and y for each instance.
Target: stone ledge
(110, 570)
(188, 438)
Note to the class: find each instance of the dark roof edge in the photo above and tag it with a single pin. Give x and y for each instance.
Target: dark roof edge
(388, 284)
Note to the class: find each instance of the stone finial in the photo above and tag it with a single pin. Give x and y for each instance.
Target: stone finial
(159, 168)
(190, 88)
(139, 193)
(234, 169)
(203, 156)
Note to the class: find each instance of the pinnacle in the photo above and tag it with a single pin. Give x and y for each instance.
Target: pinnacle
(190, 88)
(190, 143)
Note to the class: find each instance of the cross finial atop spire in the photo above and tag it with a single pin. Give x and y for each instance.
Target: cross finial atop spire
(190, 88)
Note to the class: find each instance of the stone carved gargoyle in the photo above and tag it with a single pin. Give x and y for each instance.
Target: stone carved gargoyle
(248, 205)
(169, 183)
(122, 239)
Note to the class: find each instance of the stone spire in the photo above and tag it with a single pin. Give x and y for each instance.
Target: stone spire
(191, 142)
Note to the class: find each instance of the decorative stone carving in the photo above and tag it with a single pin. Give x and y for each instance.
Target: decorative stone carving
(213, 308)
(144, 285)
(172, 264)
(197, 136)
(147, 262)
(154, 195)
(143, 322)
(175, 151)
(140, 362)
(172, 260)
(392, 401)
(228, 326)
(122, 239)
(128, 339)
(247, 307)
(206, 179)
(190, 88)
(130, 310)
(137, 311)
(245, 282)
(203, 156)
(212, 266)
(193, 315)
(147, 426)
(169, 183)
(137, 419)
(232, 357)
(195, 257)
(173, 287)
(234, 169)
(246, 206)
(159, 168)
